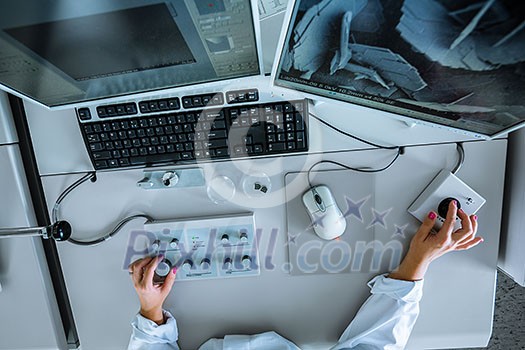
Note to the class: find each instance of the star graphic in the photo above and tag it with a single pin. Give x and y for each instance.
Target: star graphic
(292, 238)
(318, 220)
(400, 231)
(354, 208)
(379, 217)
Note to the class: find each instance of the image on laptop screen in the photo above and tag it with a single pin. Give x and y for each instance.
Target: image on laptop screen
(65, 52)
(460, 64)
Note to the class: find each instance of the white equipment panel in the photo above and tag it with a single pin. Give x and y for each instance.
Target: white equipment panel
(204, 248)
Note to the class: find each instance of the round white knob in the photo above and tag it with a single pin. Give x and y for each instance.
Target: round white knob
(155, 245)
(174, 243)
(225, 239)
(164, 268)
(205, 264)
(187, 265)
(227, 264)
(246, 261)
(244, 237)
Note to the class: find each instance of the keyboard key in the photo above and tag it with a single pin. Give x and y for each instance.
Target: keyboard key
(214, 134)
(93, 138)
(95, 147)
(163, 105)
(131, 108)
(275, 147)
(144, 107)
(218, 125)
(84, 114)
(113, 163)
(153, 106)
(102, 155)
(111, 111)
(187, 155)
(174, 104)
(221, 152)
(187, 102)
(216, 144)
(101, 164)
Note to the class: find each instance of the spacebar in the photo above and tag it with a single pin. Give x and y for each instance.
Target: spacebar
(158, 158)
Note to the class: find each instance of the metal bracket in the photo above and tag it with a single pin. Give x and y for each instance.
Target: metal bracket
(160, 179)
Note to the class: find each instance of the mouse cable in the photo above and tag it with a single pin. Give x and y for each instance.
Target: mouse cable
(400, 151)
(461, 158)
(93, 177)
(350, 135)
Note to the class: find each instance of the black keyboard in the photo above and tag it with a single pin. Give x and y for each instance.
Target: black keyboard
(208, 134)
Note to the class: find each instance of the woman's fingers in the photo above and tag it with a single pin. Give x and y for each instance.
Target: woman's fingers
(469, 244)
(169, 281)
(467, 228)
(149, 271)
(426, 226)
(448, 225)
(136, 269)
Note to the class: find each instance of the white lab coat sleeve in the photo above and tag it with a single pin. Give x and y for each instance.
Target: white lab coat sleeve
(386, 319)
(147, 335)
(263, 341)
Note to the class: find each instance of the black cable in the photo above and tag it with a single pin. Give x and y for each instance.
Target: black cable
(91, 176)
(461, 157)
(350, 135)
(400, 151)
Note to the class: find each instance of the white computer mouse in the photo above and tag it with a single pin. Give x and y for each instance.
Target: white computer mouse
(328, 220)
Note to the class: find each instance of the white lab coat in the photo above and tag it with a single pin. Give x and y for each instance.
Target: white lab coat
(385, 321)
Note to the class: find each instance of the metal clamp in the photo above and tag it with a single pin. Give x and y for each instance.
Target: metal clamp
(161, 179)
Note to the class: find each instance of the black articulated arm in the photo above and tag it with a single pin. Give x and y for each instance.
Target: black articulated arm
(42, 216)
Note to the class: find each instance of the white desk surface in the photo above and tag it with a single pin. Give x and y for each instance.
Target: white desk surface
(459, 290)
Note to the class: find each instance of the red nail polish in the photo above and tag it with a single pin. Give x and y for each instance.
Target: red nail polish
(475, 217)
(431, 215)
(174, 270)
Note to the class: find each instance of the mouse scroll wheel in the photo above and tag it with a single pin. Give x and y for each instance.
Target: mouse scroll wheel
(318, 199)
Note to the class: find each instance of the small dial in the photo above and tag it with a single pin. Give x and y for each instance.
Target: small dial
(227, 264)
(205, 264)
(246, 261)
(155, 245)
(187, 265)
(174, 243)
(164, 268)
(225, 239)
(443, 206)
(244, 237)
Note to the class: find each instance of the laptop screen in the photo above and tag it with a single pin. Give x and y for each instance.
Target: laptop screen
(64, 52)
(459, 64)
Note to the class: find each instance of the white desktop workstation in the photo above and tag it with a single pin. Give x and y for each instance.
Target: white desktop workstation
(227, 154)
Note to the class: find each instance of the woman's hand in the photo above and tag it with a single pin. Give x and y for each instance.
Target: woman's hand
(151, 296)
(426, 246)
